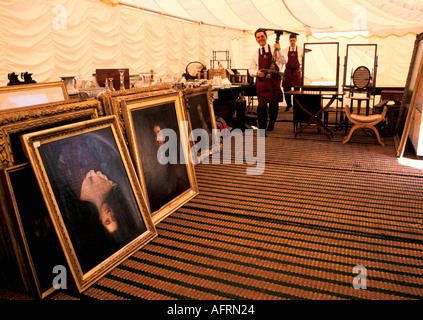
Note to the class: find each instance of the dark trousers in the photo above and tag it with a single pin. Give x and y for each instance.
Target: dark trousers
(262, 115)
(288, 97)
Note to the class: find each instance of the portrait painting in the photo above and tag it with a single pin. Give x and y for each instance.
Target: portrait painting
(168, 177)
(199, 111)
(36, 247)
(199, 106)
(93, 195)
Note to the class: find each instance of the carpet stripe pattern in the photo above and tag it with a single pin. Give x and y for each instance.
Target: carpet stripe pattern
(214, 256)
(288, 234)
(356, 202)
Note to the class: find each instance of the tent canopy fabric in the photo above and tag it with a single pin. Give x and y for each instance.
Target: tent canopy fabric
(374, 16)
(58, 38)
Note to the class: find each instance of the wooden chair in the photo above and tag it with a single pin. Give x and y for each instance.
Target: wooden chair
(362, 83)
(363, 122)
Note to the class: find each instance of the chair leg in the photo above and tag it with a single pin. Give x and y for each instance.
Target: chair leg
(378, 136)
(350, 134)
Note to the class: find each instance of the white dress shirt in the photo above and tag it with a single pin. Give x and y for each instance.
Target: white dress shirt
(281, 59)
(300, 53)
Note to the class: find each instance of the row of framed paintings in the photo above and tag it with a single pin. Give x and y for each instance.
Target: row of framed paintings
(92, 169)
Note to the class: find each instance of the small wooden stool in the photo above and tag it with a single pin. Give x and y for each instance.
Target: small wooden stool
(362, 122)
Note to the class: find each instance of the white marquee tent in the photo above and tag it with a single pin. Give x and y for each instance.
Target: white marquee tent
(56, 38)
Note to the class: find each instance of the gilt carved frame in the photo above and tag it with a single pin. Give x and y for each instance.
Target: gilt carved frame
(33, 118)
(60, 157)
(24, 95)
(141, 113)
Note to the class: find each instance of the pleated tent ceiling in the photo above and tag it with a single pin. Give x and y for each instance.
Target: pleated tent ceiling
(375, 16)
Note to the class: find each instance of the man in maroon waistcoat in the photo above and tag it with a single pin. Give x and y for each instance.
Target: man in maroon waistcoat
(268, 85)
(292, 74)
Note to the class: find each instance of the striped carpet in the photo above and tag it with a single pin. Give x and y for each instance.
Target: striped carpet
(215, 255)
(295, 232)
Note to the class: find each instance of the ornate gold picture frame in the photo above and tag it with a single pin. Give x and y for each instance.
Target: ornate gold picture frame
(28, 119)
(25, 95)
(166, 173)
(92, 193)
(108, 97)
(199, 110)
(36, 248)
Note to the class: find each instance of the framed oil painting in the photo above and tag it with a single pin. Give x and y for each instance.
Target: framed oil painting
(92, 193)
(157, 132)
(34, 118)
(199, 109)
(408, 101)
(108, 97)
(24, 95)
(35, 244)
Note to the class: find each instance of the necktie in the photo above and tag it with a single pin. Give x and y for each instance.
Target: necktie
(262, 50)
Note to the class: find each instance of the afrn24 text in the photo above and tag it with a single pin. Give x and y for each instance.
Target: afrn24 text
(215, 309)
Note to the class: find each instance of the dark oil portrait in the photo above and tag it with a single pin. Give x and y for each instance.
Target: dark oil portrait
(199, 112)
(93, 193)
(164, 182)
